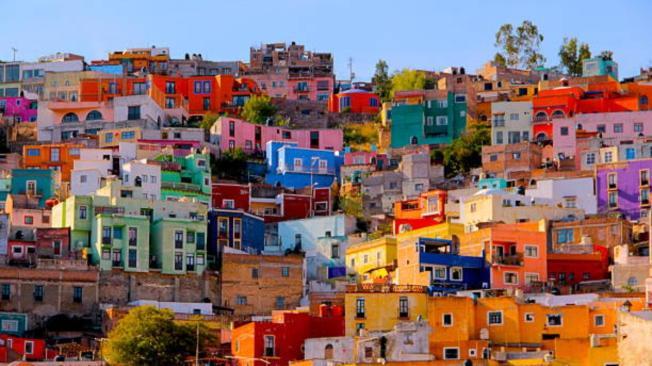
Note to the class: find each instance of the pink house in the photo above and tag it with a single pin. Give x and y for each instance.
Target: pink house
(616, 127)
(231, 133)
(18, 109)
(365, 158)
(272, 84)
(318, 88)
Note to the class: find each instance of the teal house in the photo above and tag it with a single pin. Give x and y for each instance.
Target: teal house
(33, 182)
(186, 176)
(431, 120)
(600, 65)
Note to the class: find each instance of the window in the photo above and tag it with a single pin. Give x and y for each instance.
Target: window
(133, 112)
(613, 199)
(280, 302)
(447, 319)
(133, 258)
(644, 177)
(554, 320)
(598, 320)
(335, 251)
(612, 180)
(38, 293)
(70, 117)
(630, 153)
(241, 300)
(645, 196)
(285, 271)
(531, 277)
(608, 157)
(56, 247)
(403, 307)
(441, 121)
(297, 164)
(83, 212)
(499, 137)
(638, 127)
(495, 317)
(178, 261)
(94, 116)
(190, 262)
(6, 291)
(30, 187)
(451, 353)
(531, 251)
(516, 156)
(33, 152)
(269, 346)
(9, 326)
(77, 294)
(510, 278)
(499, 120)
(29, 347)
(439, 273)
(373, 102)
(456, 273)
(618, 127)
(28, 220)
(133, 236)
(254, 273)
(178, 239)
(493, 157)
(529, 317)
(590, 158)
(360, 308)
(563, 131)
(601, 128)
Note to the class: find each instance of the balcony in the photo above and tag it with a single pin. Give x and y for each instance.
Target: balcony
(540, 118)
(613, 205)
(645, 183)
(645, 203)
(508, 260)
(304, 169)
(187, 187)
(106, 240)
(385, 288)
(301, 90)
(613, 186)
(109, 210)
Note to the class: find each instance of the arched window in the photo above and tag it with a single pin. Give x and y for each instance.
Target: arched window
(328, 352)
(558, 114)
(579, 126)
(413, 140)
(541, 137)
(70, 117)
(541, 116)
(94, 116)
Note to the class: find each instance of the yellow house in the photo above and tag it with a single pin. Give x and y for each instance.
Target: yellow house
(372, 259)
(408, 270)
(375, 307)
(494, 205)
(494, 326)
(113, 137)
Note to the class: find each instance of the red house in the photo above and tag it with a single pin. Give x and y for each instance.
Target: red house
(26, 245)
(29, 349)
(280, 341)
(231, 195)
(569, 268)
(354, 101)
(426, 210)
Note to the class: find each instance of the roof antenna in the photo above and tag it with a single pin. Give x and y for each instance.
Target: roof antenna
(14, 50)
(351, 73)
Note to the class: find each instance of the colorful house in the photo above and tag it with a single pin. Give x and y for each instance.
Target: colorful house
(280, 341)
(624, 187)
(574, 264)
(372, 260)
(428, 209)
(58, 157)
(429, 120)
(598, 66)
(234, 228)
(510, 122)
(37, 183)
(516, 253)
(18, 109)
(186, 176)
(233, 133)
(295, 167)
(354, 101)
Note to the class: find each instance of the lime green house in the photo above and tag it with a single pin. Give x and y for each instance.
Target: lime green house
(120, 228)
(186, 176)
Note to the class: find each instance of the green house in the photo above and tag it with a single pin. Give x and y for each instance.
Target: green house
(430, 122)
(186, 176)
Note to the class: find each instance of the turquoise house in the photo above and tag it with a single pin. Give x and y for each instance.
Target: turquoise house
(34, 182)
(12, 323)
(598, 66)
(429, 122)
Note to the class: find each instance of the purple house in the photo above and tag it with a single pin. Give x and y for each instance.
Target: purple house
(624, 187)
(18, 109)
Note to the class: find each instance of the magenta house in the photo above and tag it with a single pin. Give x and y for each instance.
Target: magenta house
(231, 133)
(617, 127)
(624, 187)
(18, 109)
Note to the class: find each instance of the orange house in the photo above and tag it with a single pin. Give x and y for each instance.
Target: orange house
(426, 210)
(105, 89)
(517, 252)
(355, 101)
(52, 156)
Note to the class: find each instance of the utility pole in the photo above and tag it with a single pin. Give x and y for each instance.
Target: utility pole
(14, 50)
(351, 73)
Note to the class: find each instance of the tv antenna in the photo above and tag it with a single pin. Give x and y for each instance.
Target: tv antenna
(14, 50)
(351, 73)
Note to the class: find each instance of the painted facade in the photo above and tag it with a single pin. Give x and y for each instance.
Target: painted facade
(291, 166)
(624, 187)
(354, 101)
(18, 109)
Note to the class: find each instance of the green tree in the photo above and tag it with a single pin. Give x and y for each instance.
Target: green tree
(149, 336)
(381, 80)
(208, 121)
(571, 55)
(352, 205)
(408, 79)
(258, 109)
(519, 47)
(465, 152)
(607, 55)
(232, 164)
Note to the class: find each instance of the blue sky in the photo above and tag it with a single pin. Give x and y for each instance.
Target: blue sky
(406, 33)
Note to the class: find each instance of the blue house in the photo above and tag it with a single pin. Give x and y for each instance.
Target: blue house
(234, 229)
(449, 271)
(600, 65)
(34, 182)
(293, 167)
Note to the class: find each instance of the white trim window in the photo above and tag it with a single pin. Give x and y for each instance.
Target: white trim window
(447, 320)
(554, 320)
(456, 274)
(439, 272)
(510, 278)
(531, 251)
